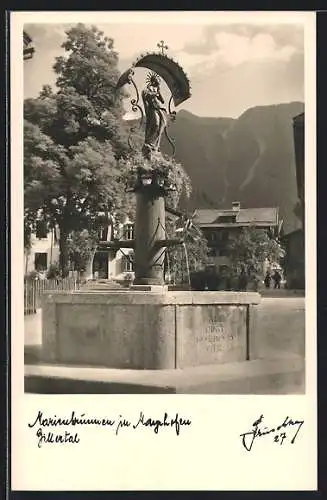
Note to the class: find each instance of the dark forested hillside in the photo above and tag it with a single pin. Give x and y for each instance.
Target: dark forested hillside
(249, 159)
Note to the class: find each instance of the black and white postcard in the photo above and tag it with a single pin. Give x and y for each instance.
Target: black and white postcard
(163, 239)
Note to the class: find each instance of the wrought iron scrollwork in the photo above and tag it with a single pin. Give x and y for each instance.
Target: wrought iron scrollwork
(172, 116)
(135, 108)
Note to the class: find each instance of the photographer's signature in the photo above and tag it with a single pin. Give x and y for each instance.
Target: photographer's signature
(286, 431)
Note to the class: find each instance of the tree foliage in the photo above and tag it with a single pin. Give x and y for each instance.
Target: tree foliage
(251, 247)
(81, 246)
(73, 137)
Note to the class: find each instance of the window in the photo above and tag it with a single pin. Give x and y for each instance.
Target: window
(103, 234)
(227, 218)
(129, 232)
(41, 261)
(214, 236)
(224, 236)
(127, 264)
(213, 252)
(41, 229)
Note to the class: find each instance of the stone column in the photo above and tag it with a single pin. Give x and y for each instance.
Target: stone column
(149, 228)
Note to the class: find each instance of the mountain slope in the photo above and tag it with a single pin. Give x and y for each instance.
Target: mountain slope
(249, 159)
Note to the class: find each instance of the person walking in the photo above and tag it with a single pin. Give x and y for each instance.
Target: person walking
(243, 281)
(277, 279)
(267, 279)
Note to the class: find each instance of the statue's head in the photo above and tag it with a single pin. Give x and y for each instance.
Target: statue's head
(153, 79)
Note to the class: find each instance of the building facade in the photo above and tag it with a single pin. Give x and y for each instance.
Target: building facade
(294, 242)
(44, 252)
(298, 134)
(294, 264)
(220, 226)
(114, 264)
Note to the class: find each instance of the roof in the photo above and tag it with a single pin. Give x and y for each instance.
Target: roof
(265, 217)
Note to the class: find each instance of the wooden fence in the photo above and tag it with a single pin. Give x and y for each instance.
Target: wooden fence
(33, 290)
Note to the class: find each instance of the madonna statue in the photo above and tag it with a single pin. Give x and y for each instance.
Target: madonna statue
(156, 115)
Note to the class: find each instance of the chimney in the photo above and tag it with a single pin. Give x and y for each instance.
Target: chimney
(236, 206)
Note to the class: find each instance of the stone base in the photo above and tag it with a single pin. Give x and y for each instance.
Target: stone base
(151, 330)
(280, 375)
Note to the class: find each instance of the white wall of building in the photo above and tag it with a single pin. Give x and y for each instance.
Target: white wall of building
(118, 265)
(41, 246)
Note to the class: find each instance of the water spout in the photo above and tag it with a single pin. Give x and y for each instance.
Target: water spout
(187, 265)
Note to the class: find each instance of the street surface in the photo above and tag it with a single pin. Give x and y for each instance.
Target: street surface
(280, 326)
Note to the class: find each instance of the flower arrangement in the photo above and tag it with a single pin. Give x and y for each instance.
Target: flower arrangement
(159, 172)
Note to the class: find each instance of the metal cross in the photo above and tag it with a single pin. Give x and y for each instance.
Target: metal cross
(162, 46)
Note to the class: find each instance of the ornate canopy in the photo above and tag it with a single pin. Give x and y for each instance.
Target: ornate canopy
(169, 70)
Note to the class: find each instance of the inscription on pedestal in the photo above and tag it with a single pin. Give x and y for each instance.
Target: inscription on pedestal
(211, 334)
(215, 338)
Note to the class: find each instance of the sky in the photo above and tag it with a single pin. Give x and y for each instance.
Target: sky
(231, 66)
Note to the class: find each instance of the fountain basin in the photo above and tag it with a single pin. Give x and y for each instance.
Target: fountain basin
(147, 330)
